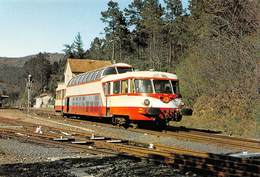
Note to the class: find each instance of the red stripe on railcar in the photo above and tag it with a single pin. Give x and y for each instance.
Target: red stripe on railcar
(58, 108)
(134, 113)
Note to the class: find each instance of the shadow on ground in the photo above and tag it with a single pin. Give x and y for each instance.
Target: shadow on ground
(185, 129)
(94, 166)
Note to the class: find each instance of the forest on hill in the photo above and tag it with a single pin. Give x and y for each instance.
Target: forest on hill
(14, 72)
(213, 46)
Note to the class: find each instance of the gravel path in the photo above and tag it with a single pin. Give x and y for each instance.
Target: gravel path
(18, 151)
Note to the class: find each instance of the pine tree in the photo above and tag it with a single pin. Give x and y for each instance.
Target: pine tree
(69, 50)
(75, 50)
(173, 9)
(151, 14)
(139, 36)
(97, 49)
(174, 28)
(78, 46)
(116, 29)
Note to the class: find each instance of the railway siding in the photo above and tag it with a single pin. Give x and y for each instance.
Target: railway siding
(202, 162)
(181, 158)
(211, 141)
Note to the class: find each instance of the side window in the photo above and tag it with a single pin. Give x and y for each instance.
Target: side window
(82, 79)
(132, 86)
(106, 88)
(124, 88)
(85, 77)
(76, 81)
(93, 76)
(73, 81)
(70, 82)
(143, 86)
(116, 87)
(83, 101)
(175, 86)
(89, 77)
(98, 74)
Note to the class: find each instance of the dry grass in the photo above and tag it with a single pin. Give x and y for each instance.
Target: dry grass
(231, 116)
(227, 126)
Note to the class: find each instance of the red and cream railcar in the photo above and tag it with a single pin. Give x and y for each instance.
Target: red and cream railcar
(124, 95)
(59, 100)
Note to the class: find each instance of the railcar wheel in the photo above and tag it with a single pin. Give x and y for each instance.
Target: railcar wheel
(178, 117)
(113, 121)
(121, 121)
(63, 114)
(161, 124)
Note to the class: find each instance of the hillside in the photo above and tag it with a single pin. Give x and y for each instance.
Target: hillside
(19, 61)
(12, 73)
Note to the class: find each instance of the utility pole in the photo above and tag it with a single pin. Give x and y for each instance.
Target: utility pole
(29, 87)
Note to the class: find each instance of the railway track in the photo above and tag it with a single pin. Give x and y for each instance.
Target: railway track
(200, 162)
(241, 144)
(221, 140)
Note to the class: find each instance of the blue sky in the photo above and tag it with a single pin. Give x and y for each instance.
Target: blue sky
(33, 26)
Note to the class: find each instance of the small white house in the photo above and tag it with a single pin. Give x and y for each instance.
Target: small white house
(43, 101)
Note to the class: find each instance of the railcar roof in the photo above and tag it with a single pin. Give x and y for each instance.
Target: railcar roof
(141, 74)
(121, 65)
(98, 73)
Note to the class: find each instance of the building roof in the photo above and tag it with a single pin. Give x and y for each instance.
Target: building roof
(4, 96)
(43, 95)
(85, 65)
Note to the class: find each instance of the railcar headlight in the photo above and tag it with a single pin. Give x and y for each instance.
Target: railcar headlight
(177, 102)
(146, 102)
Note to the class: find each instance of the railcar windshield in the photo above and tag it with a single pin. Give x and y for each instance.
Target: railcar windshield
(143, 86)
(110, 70)
(175, 86)
(123, 70)
(162, 86)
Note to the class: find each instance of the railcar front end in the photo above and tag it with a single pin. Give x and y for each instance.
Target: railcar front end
(138, 98)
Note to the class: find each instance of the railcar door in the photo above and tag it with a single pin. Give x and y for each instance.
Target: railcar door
(62, 99)
(67, 104)
(107, 89)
